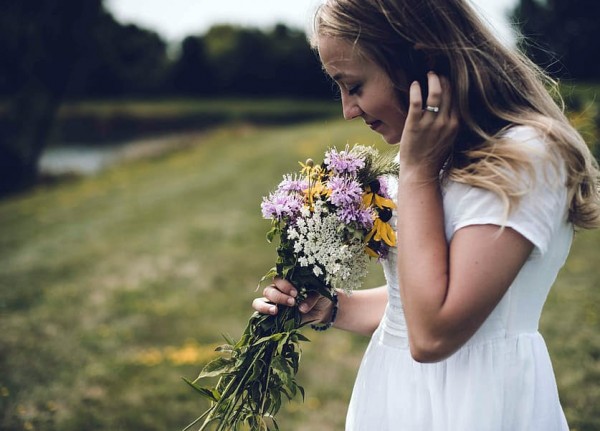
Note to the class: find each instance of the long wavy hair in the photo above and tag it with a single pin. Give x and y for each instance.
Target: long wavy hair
(495, 88)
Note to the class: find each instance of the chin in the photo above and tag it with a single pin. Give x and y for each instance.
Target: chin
(392, 139)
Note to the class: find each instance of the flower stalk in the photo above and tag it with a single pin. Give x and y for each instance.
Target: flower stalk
(330, 219)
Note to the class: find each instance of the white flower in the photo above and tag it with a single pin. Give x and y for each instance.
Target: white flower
(331, 250)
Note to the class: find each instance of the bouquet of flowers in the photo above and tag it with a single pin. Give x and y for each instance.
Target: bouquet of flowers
(330, 219)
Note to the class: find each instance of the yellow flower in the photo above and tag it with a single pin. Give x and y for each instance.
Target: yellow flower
(372, 199)
(371, 252)
(382, 231)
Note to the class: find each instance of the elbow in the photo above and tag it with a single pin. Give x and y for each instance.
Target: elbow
(429, 350)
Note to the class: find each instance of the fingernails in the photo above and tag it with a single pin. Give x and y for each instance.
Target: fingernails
(273, 310)
(304, 308)
(294, 293)
(291, 301)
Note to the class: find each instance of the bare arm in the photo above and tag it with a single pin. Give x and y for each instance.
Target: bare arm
(448, 290)
(360, 312)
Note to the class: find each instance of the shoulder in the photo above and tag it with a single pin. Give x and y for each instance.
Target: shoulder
(534, 144)
(537, 202)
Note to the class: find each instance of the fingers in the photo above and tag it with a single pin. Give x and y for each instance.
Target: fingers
(278, 295)
(282, 292)
(415, 104)
(263, 306)
(437, 87)
(285, 286)
(309, 303)
(434, 92)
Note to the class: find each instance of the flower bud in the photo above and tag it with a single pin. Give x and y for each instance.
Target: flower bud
(310, 163)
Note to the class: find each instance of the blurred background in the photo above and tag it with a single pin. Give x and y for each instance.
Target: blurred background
(136, 141)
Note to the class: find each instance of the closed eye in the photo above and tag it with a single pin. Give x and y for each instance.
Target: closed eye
(355, 89)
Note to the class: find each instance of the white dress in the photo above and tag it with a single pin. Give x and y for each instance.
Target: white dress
(502, 378)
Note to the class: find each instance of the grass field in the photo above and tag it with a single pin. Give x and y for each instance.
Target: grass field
(113, 287)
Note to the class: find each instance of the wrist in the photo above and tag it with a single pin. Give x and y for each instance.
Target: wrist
(324, 325)
(419, 174)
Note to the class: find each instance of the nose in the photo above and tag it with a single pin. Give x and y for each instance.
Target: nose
(350, 108)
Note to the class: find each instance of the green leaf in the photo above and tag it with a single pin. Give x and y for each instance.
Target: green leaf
(228, 339)
(216, 367)
(271, 233)
(301, 337)
(274, 337)
(224, 348)
(301, 389)
(209, 393)
(268, 276)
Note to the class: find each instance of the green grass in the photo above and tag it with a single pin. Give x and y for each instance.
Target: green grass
(114, 287)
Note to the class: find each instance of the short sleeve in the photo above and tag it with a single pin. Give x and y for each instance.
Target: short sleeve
(537, 215)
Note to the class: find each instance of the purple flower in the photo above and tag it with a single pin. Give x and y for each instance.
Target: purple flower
(344, 192)
(343, 162)
(361, 216)
(292, 184)
(281, 205)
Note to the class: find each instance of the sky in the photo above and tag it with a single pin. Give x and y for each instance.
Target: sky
(175, 19)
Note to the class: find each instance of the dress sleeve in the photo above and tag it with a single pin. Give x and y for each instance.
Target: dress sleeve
(536, 216)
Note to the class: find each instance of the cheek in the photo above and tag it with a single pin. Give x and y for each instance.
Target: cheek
(396, 114)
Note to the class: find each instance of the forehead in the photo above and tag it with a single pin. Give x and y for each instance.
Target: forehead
(340, 56)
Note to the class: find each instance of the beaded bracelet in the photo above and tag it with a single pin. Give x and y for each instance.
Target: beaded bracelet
(326, 326)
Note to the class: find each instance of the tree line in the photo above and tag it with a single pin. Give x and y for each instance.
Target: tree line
(54, 50)
(120, 60)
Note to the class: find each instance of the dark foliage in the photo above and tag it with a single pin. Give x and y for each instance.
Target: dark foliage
(562, 36)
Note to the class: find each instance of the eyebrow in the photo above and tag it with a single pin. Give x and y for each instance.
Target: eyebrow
(341, 76)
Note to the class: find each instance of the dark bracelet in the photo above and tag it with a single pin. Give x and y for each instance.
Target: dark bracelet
(326, 326)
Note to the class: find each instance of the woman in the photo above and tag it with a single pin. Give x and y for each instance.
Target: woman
(493, 180)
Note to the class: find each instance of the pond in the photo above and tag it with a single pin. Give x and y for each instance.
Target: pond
(87, 159)
(77, 159)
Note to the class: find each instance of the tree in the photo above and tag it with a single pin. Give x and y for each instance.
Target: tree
(278, 62)
(41, 44)
(122, 60)
(562, 35)
(192, 74)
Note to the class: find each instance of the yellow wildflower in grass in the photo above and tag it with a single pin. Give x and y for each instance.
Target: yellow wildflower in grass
(191, 353)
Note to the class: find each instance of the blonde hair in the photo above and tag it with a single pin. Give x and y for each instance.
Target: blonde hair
(494, 86)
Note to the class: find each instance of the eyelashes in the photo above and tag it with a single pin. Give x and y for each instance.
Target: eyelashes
(337, 90)
(354, 90)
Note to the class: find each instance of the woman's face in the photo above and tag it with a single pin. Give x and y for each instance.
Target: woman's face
(367, 91)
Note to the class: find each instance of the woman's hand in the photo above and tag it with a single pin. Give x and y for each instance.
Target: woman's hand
(428, 136)
(315, 308)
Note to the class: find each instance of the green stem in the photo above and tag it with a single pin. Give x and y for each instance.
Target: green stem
(223, 400)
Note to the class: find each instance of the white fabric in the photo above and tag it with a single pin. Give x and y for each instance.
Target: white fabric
(502, 378)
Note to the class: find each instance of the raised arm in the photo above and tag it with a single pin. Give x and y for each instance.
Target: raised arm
(448, 290)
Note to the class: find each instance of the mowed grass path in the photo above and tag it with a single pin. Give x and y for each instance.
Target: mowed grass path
(114, 287)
